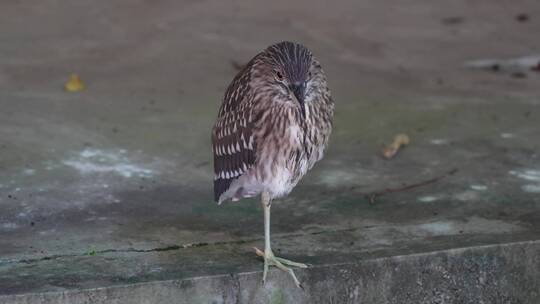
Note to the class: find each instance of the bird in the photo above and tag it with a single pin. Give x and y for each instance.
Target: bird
(273, 125)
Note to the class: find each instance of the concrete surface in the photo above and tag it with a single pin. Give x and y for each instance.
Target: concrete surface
(493, 274)
(105, 195)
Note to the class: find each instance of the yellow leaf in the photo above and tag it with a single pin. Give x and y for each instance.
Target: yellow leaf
(74, 84)
(400, 140)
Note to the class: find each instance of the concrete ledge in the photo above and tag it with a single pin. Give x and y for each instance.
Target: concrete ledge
(106, 194)
(506, 273)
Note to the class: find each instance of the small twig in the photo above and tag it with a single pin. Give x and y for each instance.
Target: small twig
(373, 195)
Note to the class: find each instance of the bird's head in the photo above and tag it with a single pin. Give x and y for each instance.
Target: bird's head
(290, 70)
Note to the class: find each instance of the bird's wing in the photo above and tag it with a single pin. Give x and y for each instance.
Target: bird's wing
(232, 136)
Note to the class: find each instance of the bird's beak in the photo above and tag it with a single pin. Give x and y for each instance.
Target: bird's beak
(298, 89)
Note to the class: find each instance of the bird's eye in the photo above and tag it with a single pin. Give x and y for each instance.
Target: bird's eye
(279, 75)
(309, 74)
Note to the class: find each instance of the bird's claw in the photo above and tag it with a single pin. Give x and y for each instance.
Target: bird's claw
(271, 260)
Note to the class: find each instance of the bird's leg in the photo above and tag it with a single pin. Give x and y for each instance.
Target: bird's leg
(268, 255)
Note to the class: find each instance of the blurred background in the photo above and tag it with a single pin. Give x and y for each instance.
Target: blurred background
(124, 163)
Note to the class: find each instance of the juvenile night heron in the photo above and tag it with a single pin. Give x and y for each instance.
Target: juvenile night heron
(272, 127)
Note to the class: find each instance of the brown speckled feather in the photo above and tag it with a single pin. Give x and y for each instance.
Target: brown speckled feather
(232, 137)
(273, 125)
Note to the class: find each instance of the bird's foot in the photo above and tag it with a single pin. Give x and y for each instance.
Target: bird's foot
(271, 260)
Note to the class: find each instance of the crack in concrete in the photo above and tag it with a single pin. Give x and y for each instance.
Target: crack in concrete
(167, 248)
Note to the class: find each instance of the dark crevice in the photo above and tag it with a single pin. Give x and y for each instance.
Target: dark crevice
(168, 248)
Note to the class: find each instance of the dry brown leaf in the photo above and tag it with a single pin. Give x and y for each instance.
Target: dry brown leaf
(399, 141)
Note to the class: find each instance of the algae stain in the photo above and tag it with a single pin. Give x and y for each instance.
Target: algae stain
(479, 187)
(276, 297)
(440, 141)
(100, 161)
(438, 228)
(531, 188)
(429, 198)
(526, 174)
(466, 196)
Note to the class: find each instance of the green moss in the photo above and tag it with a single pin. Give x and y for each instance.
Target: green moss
(277, 297)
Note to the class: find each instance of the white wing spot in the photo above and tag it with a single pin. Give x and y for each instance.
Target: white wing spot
(243, 141)
(250, 144)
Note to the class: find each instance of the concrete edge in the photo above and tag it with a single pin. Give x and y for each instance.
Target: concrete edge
(521, 259)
